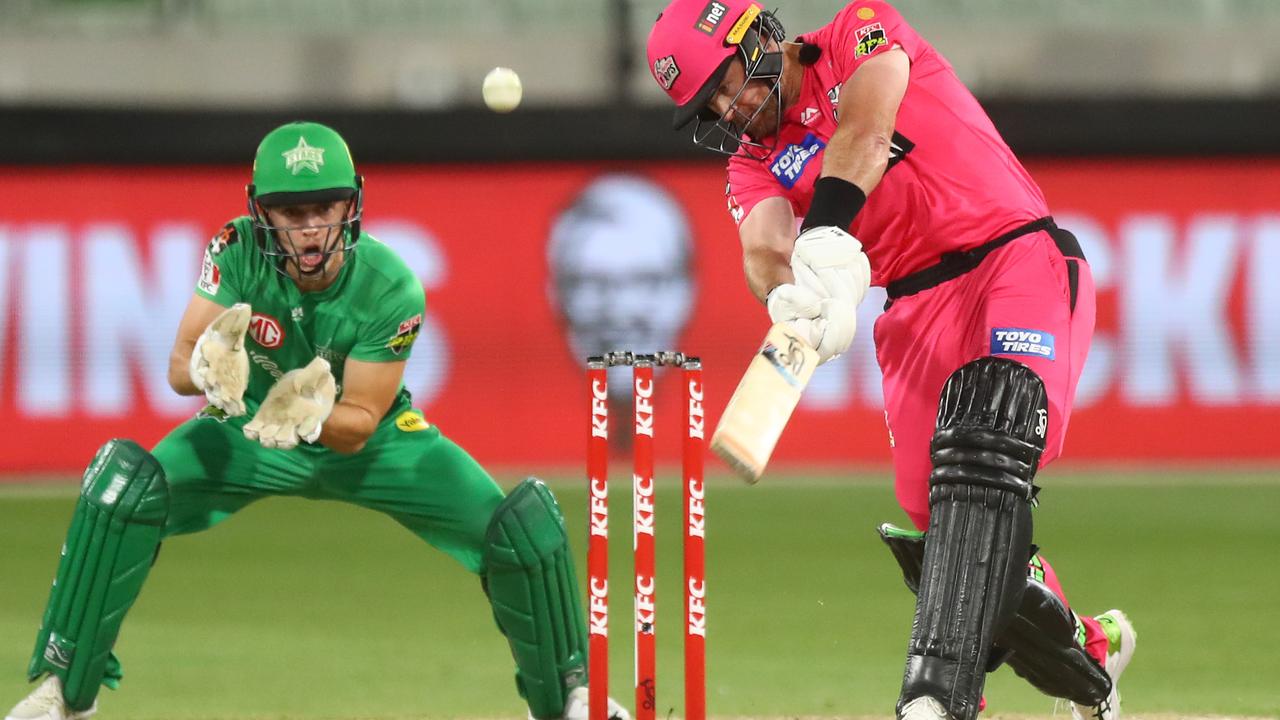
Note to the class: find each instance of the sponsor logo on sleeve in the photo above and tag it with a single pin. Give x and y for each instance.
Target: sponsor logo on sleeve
(809, 115)
(735, 209)
(665, 71)
(226, 237)
(834, 96)
(411, 421)
(266, 331)
(405, 334)
(870, 38)
(1019, 341)
(791, 162)
(710, 17)
(210, 275)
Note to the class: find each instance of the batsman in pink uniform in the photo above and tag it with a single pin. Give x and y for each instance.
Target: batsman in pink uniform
(857, 157)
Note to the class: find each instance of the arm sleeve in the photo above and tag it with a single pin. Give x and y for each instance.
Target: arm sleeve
(222, 266)
(389, 333)
(865, 29)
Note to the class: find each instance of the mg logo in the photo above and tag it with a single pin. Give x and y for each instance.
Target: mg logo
(266, 331)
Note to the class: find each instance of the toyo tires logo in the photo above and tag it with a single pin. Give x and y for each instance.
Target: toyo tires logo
(266, 331)
(789, 164)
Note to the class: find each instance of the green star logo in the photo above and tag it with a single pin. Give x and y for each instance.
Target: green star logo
(303, 157)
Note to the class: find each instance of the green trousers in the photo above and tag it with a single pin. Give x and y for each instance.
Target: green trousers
(408, 470)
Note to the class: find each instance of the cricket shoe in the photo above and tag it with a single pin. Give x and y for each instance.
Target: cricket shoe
(923, 708)
(46, 703)
(1121, 641)
(577, 706)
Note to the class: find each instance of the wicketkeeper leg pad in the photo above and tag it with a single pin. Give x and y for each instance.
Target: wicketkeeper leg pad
(532, 585)
(110, 547)
(1039, 643)
(990, 434)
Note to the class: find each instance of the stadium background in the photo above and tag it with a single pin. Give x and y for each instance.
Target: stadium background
(126, 132)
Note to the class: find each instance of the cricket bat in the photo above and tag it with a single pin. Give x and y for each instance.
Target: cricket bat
(763, 402)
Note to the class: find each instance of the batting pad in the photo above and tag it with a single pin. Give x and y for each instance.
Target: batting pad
(1039, 643)
(110, 546)
(534, 592)
(1044, 651)
(990, 434)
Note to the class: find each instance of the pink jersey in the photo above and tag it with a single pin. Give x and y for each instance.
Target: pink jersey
(952, 182)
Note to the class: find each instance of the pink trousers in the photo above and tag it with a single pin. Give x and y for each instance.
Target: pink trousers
(1017, 304)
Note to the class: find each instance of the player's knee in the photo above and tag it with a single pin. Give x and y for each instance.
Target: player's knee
(527, 528)
(127, 480)
(991, 429)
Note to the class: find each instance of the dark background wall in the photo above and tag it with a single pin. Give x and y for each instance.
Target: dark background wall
(1059, 127)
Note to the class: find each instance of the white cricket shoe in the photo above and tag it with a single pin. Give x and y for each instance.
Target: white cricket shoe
(46, 703)
(1121, 641)
(923, 708)
(577, 707)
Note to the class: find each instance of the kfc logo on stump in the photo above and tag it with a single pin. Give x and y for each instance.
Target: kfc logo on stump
(266, 331)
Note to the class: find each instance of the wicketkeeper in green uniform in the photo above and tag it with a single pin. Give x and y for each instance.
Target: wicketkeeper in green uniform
(297, 335)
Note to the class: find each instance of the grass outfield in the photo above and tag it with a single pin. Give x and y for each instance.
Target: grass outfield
(296, 609)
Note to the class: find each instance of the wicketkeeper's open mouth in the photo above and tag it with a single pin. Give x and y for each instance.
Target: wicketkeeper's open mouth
(311, 257)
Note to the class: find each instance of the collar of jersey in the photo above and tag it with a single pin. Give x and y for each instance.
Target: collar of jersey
(344, 275)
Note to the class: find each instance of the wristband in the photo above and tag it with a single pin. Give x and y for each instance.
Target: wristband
(836, 202)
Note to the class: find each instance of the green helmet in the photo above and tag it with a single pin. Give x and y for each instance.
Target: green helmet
(301, 163)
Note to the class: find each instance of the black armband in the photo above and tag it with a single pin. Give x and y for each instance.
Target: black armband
(836, 201)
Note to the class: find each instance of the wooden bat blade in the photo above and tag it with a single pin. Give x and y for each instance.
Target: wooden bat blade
(763, 402)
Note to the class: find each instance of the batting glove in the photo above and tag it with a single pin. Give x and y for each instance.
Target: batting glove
(830, 263)
(799, 307)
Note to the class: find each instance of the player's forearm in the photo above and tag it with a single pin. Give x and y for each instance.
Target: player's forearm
(180, 369)
(348, 428)
(768, 236)
(859, 155)
(766, 268)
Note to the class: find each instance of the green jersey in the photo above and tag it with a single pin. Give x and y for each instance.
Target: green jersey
(372, 312)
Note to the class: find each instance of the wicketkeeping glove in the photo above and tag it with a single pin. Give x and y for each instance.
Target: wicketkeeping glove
(295, 407)
(830, 263)
(219, 364)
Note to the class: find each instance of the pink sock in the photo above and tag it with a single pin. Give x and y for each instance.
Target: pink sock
(1095, 640)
